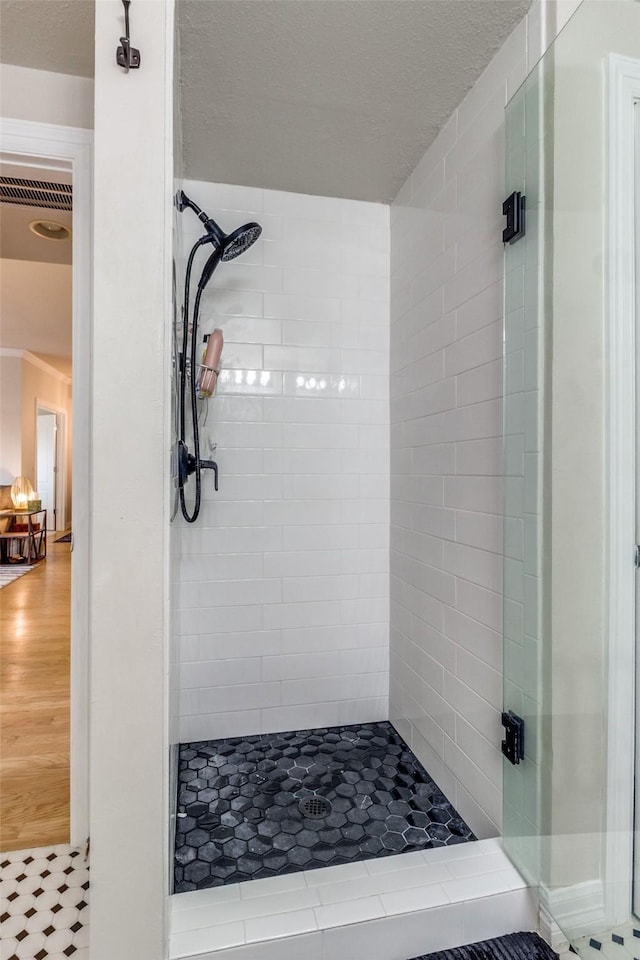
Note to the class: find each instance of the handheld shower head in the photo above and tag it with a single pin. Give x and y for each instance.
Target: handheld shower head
(209, 267)
(225, 247)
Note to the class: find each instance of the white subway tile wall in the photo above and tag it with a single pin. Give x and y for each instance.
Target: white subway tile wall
(284, 594)
(446, 448)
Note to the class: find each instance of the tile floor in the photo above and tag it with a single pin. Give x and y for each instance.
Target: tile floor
(621, 943)
(44, 904)
(239, 815)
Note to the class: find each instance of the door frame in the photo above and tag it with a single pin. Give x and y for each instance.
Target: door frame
(623, 82)
(60, 477)
(71, 148)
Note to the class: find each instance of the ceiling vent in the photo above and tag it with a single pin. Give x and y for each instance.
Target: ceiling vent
(36, 193)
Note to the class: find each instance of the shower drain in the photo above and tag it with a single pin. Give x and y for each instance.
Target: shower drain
(315, 808)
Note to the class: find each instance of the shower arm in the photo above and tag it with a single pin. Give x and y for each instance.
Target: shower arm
(212, 228)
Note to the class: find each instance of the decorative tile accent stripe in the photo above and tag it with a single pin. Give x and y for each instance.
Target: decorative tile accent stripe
(238, 804)
(44, 906)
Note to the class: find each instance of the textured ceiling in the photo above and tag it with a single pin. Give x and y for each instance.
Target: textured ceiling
(56, 35)
(335, 97)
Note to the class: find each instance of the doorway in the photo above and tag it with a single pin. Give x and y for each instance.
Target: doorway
(50, 465)
(57, 153)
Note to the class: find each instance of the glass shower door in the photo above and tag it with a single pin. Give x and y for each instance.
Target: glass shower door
(524, 435)
(567, 802)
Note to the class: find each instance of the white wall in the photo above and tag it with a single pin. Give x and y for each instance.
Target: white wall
(577, 795)
(45, 97)
(284, 619)
(446, 427)
(10, 418)
(129, 583)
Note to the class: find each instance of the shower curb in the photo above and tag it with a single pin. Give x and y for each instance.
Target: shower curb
(391, 909)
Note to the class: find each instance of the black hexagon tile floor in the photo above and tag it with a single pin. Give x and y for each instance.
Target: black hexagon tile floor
(260, 806)
(44, 912)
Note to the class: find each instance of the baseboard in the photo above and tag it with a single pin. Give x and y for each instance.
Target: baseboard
(551, 932)
(577, 910)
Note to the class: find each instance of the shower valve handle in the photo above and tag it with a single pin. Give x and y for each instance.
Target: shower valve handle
(187, 465)
(211, 465)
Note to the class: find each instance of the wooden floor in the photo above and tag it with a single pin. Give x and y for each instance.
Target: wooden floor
(34, 704)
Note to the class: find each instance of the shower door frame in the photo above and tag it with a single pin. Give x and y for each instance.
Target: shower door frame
(623, 82)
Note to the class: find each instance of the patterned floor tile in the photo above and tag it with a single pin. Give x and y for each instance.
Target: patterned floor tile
(240, 814)
(44, 904)
(619, 943)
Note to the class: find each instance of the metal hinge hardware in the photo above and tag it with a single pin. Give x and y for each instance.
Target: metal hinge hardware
(513, 744)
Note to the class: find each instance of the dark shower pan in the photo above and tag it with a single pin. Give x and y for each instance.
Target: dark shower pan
(243, 804)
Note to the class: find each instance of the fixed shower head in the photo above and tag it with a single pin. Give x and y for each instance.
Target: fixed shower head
(230, 245)
(233, 245)
(240, 240)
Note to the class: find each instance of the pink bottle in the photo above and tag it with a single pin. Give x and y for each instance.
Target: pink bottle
(211, 363)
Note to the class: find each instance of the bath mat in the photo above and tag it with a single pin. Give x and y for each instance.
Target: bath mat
(10, 573)
(514, 946)
(64, 539)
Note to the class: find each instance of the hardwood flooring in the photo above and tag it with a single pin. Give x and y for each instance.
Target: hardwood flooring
(34, 704)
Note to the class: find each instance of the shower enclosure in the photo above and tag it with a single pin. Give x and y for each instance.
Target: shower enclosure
(284, 761)
(323, 779)
(284, 758)
(569, 596)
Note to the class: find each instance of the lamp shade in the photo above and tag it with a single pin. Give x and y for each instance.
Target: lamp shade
(21, 492)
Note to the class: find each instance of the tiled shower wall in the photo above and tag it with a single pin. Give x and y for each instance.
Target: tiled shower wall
(284, 579)
(446, 456)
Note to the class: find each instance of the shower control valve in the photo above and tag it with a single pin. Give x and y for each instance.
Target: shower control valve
(187, 465)
(211, 465)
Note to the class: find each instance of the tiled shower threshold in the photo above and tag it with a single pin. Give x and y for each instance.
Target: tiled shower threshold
(392, 908)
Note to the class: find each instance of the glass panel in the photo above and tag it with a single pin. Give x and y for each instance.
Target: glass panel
(524, 435)
(568, 822)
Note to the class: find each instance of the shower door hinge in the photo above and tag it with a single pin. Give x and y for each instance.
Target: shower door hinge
(513, 209)
(513, 744)
(636, 555)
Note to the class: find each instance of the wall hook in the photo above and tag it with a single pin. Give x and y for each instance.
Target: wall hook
(126, 55)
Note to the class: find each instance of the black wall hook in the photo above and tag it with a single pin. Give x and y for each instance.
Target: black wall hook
(126, 55)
